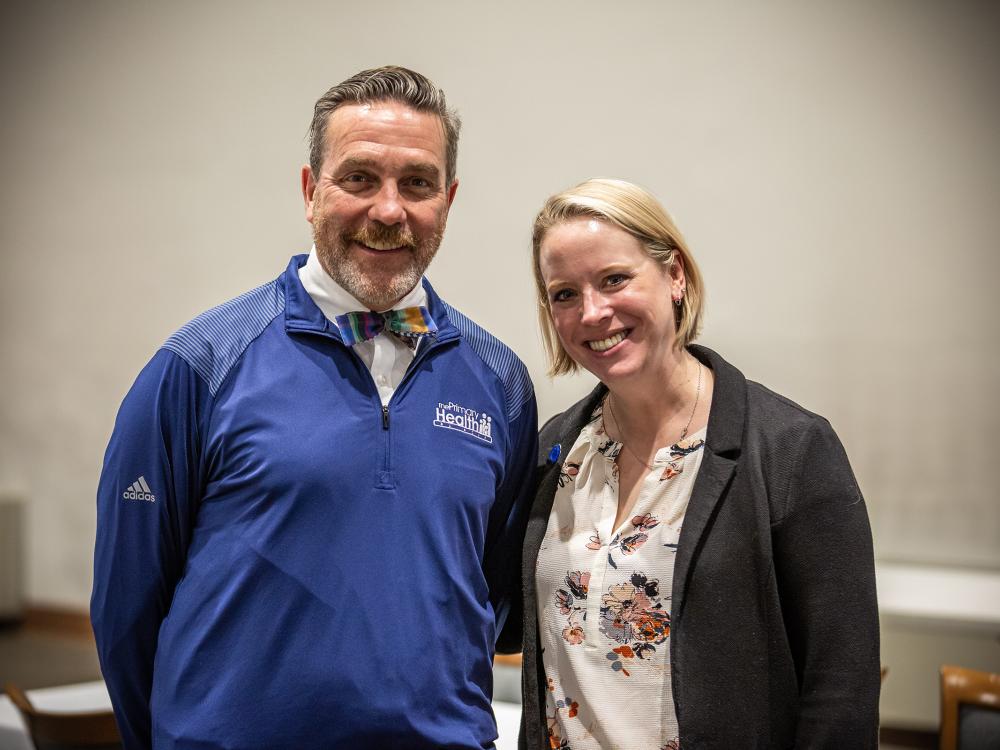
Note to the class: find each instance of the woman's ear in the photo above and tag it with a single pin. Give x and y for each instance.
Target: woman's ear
(678, 279)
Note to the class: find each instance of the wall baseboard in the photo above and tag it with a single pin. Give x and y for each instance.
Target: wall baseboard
(58, 620)
(508, 660)
(914, 738)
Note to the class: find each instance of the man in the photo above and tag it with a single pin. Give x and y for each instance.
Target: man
(309, 520)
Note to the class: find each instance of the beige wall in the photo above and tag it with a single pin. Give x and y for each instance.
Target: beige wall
(832, 164)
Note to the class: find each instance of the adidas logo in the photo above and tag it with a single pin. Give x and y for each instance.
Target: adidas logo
(139, 491)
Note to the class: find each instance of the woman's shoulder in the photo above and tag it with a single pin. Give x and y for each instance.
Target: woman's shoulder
(765, 407)
(798, 450)
(770, 405)
(786, 444)
(783, 433)
(752, 416)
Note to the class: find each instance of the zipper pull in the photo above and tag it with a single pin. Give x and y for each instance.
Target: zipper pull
(385, 417)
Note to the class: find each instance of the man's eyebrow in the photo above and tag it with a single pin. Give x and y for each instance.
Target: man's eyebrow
(416, 167)
(422, 167)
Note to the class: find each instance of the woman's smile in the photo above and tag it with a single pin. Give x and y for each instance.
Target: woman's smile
(606, 344)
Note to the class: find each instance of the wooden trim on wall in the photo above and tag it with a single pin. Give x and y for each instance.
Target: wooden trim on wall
(914, 738)
(508, 660)
(58, 620)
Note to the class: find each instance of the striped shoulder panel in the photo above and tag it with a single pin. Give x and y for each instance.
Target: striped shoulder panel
(499, 358)
(215, 340)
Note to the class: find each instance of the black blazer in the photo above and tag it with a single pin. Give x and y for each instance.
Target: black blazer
(774, 624)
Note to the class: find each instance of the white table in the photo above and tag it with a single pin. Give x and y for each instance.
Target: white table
(87, 696)
(956, 599)
(93, 696)
(508, 724)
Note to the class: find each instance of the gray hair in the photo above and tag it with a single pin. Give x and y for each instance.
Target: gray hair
(389, 83)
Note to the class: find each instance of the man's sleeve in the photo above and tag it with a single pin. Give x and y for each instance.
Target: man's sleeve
(514, 497)
(826, 574)
(146, 505)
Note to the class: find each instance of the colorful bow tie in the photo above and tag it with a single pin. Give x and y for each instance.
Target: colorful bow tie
(410, 322)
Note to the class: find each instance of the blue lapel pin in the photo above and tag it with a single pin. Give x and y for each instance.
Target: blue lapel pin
(554, 453)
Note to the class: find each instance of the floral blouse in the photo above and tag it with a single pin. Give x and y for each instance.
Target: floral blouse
(604, 596)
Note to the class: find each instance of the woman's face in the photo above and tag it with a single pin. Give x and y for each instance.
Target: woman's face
(610, 302)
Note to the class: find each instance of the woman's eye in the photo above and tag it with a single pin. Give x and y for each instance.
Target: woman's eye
(562, 295)
(616, 279)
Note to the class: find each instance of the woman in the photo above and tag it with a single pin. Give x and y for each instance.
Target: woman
(698, 565)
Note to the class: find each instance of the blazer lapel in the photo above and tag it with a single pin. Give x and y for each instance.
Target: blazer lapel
(722, 450)
(561, 430)
(537, 521)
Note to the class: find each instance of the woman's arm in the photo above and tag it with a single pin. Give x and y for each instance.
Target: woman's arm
(826, 576)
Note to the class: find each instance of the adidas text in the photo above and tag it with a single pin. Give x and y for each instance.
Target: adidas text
(139, 491)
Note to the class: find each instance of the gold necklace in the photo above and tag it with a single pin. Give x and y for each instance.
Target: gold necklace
(684, 432)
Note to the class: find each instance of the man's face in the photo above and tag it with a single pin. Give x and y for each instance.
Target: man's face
(380, 201)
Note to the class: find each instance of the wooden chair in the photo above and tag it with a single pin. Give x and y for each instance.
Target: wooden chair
(970, 709)
(64, 730)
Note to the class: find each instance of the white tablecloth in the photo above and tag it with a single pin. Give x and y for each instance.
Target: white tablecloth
(93, 696)
(87, 696)
(951, 599)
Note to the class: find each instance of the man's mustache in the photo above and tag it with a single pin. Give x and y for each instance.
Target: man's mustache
(384, 237)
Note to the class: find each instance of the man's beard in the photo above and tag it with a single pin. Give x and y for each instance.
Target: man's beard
(377, 288)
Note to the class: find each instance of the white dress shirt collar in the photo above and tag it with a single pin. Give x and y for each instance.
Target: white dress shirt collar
(334, 300)
(386, 356)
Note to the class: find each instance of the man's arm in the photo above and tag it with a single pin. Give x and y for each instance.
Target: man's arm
(146, 505)
(514, 497)
(826, 575)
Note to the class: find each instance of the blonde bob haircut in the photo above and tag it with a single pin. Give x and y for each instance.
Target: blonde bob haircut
(633, 209)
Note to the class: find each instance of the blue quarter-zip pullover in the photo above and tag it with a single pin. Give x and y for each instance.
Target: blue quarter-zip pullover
(281, 563)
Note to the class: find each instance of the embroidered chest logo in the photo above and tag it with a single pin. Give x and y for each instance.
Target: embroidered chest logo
(451, 416)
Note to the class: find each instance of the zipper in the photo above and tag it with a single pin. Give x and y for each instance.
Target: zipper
(385, 479)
